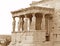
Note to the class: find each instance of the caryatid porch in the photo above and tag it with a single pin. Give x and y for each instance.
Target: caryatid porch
(33, 18)
(36, 21)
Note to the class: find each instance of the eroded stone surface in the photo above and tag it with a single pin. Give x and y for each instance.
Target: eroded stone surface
(40, 25)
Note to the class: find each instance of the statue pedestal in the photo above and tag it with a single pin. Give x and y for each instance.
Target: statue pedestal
(29, 38)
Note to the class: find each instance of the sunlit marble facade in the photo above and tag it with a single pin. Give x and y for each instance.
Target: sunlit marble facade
(38, 25)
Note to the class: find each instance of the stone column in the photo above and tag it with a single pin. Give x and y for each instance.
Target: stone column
(25, 23)
(19, 24)
(48, 31)
(43, 23)
(33, 22)
(14, 22)
(43, 35)
(28, 26)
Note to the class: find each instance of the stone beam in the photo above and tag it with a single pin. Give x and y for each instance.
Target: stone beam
(34, 10)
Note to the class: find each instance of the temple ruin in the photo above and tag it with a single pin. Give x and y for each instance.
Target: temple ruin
(38, 25)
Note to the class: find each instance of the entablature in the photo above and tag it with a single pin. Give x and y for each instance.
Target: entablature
(29, 10)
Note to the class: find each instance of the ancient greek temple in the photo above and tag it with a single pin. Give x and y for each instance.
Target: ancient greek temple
(33, 19)
(36, 26)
